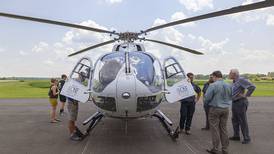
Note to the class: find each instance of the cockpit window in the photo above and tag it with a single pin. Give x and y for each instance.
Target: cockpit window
(107, 69)
(143, 66)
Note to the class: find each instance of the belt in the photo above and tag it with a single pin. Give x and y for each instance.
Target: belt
(218, 107)
(239, 99)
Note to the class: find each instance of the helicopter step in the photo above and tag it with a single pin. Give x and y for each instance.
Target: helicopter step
(94, 120)
(167, 124)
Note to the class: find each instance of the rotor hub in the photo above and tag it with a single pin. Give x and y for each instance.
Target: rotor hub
(128, 36)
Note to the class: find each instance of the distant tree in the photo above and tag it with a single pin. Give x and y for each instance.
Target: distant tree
(270, 74)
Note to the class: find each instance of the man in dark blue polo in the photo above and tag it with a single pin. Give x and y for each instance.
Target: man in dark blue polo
(206, 107)
(188, 107)
(239, 105)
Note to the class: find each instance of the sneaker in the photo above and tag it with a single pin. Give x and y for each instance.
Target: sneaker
(234, 138)
(187, 132)
(246, 141)
(58, 120)
(61, 112)
(78, 132)
(75, 137)
(53, 121)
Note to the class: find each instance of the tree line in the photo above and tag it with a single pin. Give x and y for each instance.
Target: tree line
(254, 77)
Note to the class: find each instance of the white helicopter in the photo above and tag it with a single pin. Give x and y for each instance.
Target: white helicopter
(129, 82)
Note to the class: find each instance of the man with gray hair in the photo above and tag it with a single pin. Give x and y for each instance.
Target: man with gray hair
(239, 105)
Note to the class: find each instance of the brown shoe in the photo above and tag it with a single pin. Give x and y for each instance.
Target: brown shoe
(181, 130)
(234, 138)
(205, 128)
(224, 152)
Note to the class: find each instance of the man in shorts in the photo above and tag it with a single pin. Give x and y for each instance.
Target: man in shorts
(75, 133)
(73, 107)
(62, 98)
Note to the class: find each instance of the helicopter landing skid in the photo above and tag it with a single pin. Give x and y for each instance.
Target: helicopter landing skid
(167, 124)
(94, 120)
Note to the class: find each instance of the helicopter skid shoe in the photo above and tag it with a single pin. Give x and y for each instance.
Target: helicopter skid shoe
(94, 120)
(167, 124)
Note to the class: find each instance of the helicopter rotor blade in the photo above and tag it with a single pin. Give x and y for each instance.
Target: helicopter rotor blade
(55, 23)
(175, 46)
(91, 47)
(242, 8)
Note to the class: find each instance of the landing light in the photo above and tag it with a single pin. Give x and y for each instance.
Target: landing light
(126, 95)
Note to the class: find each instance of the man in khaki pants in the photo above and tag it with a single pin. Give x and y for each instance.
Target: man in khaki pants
(218, 98)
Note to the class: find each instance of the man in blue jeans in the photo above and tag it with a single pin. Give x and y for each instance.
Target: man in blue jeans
(188, 107)
(239, 105)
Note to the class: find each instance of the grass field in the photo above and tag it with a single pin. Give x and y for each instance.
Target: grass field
(39, 88)
(24, 89)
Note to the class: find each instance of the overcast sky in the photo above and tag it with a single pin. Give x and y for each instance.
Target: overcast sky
(244, 41)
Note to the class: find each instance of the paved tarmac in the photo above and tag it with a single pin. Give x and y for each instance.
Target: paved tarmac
(25, 129)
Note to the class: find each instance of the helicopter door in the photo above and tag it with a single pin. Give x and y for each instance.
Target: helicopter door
(177, 86)
(78, 85)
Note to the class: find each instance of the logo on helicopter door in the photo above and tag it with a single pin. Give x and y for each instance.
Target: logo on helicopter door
(72, 90)
(182, 90)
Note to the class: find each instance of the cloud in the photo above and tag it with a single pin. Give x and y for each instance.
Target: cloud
(72, 41)
(218, 55)
(179, 16)
(248, 2)
(55, 54)
(49, 62)
(2, 50)
(212, 48)
(113, 1)
(197, 5)
(40, 47)
(253, 16)
(270, 20)
(158, 22)
(23, 53)
(82, 36)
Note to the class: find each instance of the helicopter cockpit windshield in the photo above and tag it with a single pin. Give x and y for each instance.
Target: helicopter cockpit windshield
(107, 69)
(146, 69)
(143, 66)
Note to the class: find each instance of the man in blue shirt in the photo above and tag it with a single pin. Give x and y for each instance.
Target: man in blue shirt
(218, 98)
(239, 105)
(188, 107)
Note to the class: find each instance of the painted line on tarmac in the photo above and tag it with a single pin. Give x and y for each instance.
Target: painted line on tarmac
(85, 147)
(190, 148)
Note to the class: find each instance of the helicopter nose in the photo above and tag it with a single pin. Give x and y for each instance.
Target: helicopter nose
(126, 95)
